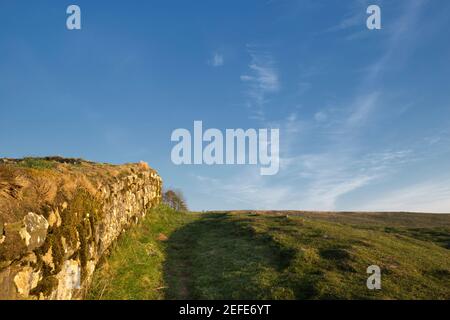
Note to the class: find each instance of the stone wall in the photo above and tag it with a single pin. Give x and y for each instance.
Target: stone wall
(59, 216)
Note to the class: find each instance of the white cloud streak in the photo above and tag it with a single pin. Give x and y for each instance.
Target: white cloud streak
(261, 80)
(427, 196)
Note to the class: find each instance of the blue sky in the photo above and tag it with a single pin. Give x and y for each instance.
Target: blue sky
(364, 116)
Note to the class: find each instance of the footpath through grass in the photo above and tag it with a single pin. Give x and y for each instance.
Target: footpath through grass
(173, 255)
(134, 268)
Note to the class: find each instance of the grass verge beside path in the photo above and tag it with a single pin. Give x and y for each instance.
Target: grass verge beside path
(134, 268)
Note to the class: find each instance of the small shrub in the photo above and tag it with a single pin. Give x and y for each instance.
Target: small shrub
(175, 200)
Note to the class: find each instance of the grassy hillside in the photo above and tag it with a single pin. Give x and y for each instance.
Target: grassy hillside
(273, 255)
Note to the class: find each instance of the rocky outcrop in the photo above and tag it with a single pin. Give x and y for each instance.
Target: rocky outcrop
(59, 216)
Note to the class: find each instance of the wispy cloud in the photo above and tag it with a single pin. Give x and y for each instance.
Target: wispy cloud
(328, 176)
(260, 79)
(321, 116)
(253, 191)
(362, 109)
(425, 196)
(341, 125)
(400, 41)
(312, 181)
(354, 19)
(217, 60)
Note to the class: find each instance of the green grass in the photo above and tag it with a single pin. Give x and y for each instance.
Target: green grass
(36, 163)
(272, 256)
(134, 269)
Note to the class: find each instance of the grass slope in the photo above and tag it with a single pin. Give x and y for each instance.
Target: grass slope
(257, 255)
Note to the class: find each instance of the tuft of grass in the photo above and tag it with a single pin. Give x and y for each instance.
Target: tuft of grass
(239, 255)
(36, 163)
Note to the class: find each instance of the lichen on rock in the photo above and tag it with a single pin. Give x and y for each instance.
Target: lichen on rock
(26, 280)
(34, 230)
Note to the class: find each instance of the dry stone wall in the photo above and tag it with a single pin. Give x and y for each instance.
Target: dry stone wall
(59, 216)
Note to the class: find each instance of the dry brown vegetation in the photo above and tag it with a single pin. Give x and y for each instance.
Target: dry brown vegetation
(29, 184)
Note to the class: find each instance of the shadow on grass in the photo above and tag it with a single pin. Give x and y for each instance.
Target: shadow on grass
(438, 235)
(218, 257)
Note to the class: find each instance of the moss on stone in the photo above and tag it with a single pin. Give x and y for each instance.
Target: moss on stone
(46, 286)
(78, 221)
